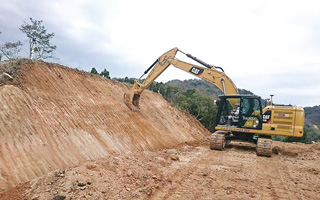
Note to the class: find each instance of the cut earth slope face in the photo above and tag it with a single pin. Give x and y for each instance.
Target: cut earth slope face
(53, 117)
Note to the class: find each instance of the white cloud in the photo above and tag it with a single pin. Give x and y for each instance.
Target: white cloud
(264, 46)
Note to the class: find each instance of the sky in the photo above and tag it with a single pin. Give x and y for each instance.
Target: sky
(267, 47)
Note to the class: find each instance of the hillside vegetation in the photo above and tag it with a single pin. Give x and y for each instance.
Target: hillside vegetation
(313, 116)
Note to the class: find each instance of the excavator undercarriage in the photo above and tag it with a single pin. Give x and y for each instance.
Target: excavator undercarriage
(221, 139)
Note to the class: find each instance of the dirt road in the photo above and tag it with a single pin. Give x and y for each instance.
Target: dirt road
(187, 172)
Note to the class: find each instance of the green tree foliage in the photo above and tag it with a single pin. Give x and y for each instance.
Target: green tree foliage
(202, 86)
(312, 134)
(312, 115)
(156, 87)
(105, 74)
(37, 33)
(125, 80)
(312, 124)
(94, 71)
(190, 99)
(11, 50)
(201, 106)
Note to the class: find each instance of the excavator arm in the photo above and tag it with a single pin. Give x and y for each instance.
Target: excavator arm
(208, 73)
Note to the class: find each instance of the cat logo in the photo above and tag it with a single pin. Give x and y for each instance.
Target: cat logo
(267, 117)
(195, 70)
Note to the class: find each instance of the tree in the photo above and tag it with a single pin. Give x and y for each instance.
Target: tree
(94, 71)
(39, 39)
(10, 50)
(126, 80)
(105, 74)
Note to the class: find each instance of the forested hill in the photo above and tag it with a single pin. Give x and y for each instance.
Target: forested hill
(203, 87)
(313, 116)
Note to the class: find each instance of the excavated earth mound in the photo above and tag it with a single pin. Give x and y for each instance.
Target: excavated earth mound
(53, 117)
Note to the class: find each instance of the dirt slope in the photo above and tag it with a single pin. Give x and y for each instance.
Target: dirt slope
(53, 117)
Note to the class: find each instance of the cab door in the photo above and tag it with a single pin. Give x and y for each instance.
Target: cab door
(250, 113)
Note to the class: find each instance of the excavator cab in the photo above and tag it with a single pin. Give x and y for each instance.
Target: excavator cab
(240, 111)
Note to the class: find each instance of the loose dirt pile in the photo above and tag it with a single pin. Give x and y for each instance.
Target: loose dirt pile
(53, 117)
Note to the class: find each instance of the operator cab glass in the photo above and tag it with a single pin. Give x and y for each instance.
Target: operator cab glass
(242, 111)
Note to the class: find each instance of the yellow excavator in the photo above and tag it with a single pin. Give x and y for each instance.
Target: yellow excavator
(239, 117)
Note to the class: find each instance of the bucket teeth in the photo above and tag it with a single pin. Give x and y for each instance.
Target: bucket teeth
(129, 102)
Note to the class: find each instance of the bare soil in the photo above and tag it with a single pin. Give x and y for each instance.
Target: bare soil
(54, 117)
(66, 134)
(186, 172)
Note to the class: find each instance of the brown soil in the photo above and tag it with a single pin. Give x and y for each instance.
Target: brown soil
(187, 172)
(54, 117)
(65, 133)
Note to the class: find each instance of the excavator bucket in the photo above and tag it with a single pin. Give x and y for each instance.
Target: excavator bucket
(132, 101)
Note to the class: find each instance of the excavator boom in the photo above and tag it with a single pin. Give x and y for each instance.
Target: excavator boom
(208, 73)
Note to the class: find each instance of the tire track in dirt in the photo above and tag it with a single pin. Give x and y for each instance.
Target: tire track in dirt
(236, 173)
(200, 173)
(266, 179)
(174, 188)
(288, 189)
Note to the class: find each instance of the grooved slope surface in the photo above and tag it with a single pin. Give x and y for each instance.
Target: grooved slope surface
(53, 117)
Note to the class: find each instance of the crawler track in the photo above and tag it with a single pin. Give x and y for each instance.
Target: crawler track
(218, 140)
(264, 147)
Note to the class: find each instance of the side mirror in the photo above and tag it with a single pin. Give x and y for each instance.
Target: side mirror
(216, 102)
